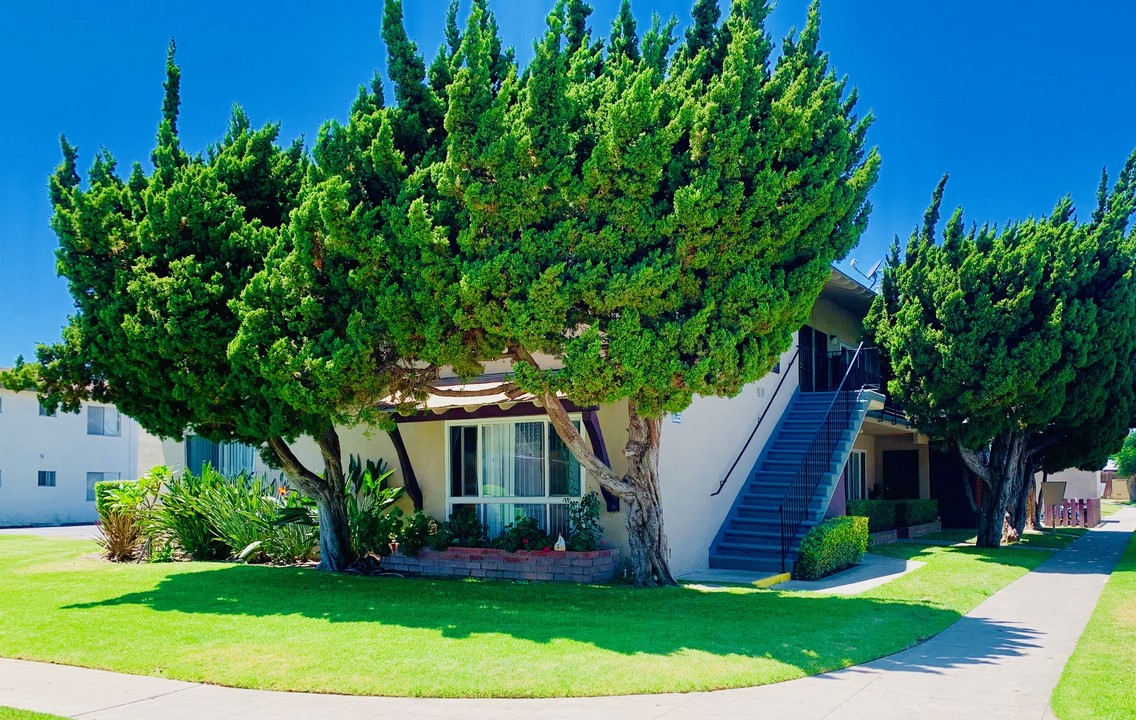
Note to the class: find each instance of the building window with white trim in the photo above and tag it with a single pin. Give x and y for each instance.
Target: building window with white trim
(46, 478)
(103, 421)
(505, 469)
(856, 476)
(97, 477)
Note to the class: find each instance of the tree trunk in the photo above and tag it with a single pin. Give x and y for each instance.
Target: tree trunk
(328, 492)
(649, 551)
(639, 488)
(1003, 477)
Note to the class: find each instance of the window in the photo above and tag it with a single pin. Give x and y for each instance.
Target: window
(46, 478)
(856, 476)
(45, 411)
(502, 470)
(102, 421)
(93, 478)
(229, 459)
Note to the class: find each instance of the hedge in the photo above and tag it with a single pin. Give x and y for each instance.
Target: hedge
(916, 512)
(103, 493)
(888, 514)
(880, 513)
(835, 544)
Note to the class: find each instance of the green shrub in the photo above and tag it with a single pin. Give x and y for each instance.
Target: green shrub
(835, 544)
(178, 516)
(239, 510)
(881, 514)
(463, 529)
(916, 512)
(372, 519)
(107, 492)
(523, 534)
(416, 533)
(119, 535)
(584, 520)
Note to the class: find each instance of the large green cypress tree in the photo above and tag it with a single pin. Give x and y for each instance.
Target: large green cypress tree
(1017, 343)
(159, 267)
(660, 229)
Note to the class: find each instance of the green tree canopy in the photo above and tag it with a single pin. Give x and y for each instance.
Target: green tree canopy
(661, 227)
(203, 304)
(1016, 342)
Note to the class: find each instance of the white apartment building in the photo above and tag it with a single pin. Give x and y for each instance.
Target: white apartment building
(49, 463)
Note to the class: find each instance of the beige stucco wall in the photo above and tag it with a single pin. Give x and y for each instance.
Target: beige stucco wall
(867, 443)
(833, 319)
(913, 441)
(695, 454)
(1079, 484)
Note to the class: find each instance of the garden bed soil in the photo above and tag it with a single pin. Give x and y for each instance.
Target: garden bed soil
(915, 531)
(584, 567)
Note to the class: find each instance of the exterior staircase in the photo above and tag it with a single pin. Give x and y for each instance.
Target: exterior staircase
(750, 537)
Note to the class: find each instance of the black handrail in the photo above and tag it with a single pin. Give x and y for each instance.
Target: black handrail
(863, 372)
(784, 374)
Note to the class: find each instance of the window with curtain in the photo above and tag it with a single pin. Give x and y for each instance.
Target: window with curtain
(503, 470)
(230, 458)
(856, 476)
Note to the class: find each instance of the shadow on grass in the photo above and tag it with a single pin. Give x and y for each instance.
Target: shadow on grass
(813, 633)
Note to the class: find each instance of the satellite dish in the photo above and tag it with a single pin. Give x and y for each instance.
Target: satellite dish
(872, 276)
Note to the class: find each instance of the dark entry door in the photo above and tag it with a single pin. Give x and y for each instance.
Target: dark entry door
(814, 361)
(949, 476)
(901, 474)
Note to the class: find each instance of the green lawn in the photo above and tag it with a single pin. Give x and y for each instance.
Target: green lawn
(295, 629)
(1054, 538)
(1111, 507)
(7, 713)
(1097, 682)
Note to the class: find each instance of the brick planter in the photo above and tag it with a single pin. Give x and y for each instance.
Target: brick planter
(915, 531)
(584, 567)
(883, 537)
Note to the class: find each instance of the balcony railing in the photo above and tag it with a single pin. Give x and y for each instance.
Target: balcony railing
(862, 372)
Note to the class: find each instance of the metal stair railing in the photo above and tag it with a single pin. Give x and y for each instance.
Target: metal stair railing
(863, 372)
(753, 433)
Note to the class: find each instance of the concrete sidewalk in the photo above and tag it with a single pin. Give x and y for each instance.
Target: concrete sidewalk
(1002, 660)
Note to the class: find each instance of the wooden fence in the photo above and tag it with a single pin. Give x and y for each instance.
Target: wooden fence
(1074, 513)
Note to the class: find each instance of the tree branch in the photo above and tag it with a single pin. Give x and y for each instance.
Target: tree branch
(502, 389)
(974, 463)
(571, 437)
(291, 464)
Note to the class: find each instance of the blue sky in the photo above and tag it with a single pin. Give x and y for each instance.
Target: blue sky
(1022, 101)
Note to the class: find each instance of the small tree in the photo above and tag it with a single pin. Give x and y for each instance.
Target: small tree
(1017, 343)
(1126, 457)
(660, 227)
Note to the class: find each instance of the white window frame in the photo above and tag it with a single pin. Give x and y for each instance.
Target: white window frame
(860, 458)
(116, 431)
(91, 497)
(479, 499)
(47, 474)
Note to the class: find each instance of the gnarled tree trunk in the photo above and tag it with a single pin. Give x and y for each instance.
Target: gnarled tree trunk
(639, 488)
(1002, 477)
(336, 552)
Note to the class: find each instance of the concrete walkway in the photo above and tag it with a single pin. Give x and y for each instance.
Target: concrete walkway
(1001, 660)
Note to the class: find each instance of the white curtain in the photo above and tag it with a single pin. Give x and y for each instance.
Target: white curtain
(529, 459)
(497, 466)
